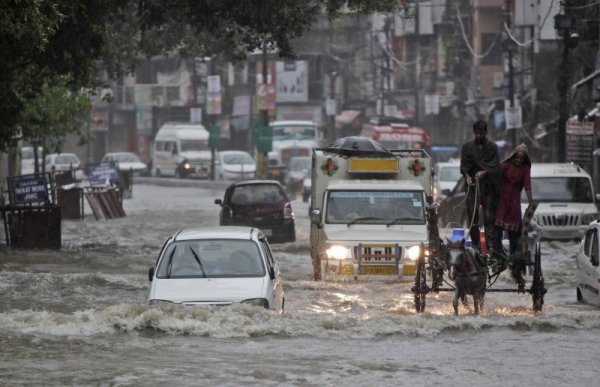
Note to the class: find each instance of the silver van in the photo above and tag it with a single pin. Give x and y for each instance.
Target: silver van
(567, 203)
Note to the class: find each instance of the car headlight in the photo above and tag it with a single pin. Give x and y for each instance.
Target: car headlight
(413, 252)
(338, 252)
(187, 165)
(257, 302)
(589, 218)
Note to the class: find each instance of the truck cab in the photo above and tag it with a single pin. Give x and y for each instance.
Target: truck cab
(368, 214)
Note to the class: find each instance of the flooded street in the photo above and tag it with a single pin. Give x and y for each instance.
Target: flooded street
(78, 316)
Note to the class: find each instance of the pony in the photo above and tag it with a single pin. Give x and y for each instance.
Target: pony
(468, 269)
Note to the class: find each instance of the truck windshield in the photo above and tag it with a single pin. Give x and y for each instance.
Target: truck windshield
(560, 189)
(376, 207)
(285, 132)
(194, 145)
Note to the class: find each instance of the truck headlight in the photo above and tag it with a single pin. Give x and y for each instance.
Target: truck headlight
(338, 252)
(187, 165)
(413, 252)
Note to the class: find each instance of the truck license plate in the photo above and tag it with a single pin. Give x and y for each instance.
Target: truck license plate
(378, 270)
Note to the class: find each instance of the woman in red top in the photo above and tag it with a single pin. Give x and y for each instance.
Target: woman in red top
(516, 176)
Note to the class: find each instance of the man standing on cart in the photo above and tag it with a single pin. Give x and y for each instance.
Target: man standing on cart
(480, 166)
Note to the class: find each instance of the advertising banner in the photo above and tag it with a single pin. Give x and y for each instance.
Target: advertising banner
(580, 143)
(292, 81)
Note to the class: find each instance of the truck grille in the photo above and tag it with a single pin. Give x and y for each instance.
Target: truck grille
(559, 220)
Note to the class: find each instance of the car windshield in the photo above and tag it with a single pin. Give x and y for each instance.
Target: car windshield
(238, 158)
(560, 189)
(127, 157)
(210, 258)
(375, 207)
(257, 194)
(193, 145)
(66, 159)
(450, 173)
(300, 163)
(294, 131)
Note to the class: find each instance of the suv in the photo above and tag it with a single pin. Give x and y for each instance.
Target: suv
(567, 204)
(259, 203)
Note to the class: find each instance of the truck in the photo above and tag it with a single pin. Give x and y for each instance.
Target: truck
(290, 138)
(367, 213)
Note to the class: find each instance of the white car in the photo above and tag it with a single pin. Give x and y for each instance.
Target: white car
(127, 161)
(217, 266)
(62, 162)
(445, 177)
(234, 165)
(588, 269)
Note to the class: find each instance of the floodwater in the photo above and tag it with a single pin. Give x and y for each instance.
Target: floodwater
(78, 317)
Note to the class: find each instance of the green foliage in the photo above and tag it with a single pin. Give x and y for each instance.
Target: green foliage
(44, 42)
(53, 113)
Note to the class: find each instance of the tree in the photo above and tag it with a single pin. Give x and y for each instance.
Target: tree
(44, 44)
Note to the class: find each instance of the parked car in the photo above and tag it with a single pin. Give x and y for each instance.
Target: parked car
(445, 176)
(217, 266)
(62, 162)
(298, 169)
(127, 161)
(588, 268)
(28, 160)
(259, 203)
(234, 165)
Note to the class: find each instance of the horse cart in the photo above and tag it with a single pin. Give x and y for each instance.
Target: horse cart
(452, 266)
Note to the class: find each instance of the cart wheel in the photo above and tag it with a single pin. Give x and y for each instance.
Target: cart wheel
(537, 287)
(420, 288)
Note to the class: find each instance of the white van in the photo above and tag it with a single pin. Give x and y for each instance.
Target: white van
(181, 150)
(567, 203)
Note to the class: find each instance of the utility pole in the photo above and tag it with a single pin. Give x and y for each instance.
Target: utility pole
(213, 123)
(564, 24)
(509, 46)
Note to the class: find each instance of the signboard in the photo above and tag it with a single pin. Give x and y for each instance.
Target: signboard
(514, 117)
(213, 104)
(292, 81)
(99, 121)
(580, 143)
(432, 104)
(330, 107)
(28, 189)
(144, 119)
(195, 115)
(105, 174)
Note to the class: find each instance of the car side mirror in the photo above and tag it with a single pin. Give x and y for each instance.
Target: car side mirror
(151, 274)
(447, 192)
(315, 216)
(598, 198)
(219, 202)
